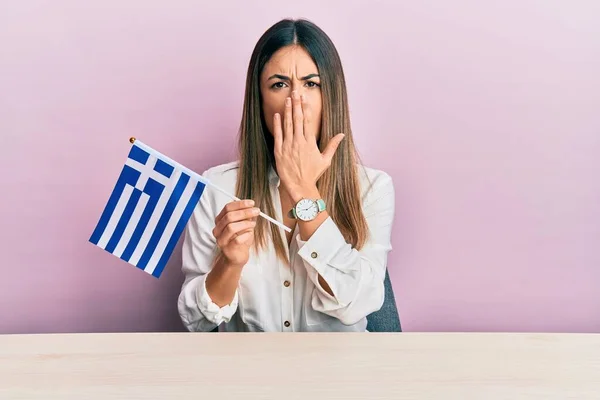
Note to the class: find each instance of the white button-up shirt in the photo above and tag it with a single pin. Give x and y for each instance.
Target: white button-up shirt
(272, 296)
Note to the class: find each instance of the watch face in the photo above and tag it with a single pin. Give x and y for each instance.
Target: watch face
(307, 209)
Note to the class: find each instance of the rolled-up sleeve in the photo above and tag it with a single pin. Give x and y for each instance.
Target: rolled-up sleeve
(356, 277)
(196, 309)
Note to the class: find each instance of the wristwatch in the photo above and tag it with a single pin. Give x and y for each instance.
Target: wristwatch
(307, 209)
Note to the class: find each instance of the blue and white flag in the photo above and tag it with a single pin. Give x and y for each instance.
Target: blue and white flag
(148, 209)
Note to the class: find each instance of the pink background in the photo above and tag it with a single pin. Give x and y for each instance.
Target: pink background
(487, 116)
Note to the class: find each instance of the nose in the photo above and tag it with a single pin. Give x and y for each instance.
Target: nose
(298, 86)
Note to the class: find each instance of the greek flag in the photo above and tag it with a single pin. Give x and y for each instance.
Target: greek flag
(148, 209)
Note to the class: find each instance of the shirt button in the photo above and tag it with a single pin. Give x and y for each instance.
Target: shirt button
(286, 324)
(286, 283)
(313, 254)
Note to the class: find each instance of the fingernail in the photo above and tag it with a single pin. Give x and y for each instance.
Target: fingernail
(277, 116)
(288, 102)
(255, 211)
(249, 203)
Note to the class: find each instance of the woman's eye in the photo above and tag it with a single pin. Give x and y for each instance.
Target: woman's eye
(278, 85)
(281, 85)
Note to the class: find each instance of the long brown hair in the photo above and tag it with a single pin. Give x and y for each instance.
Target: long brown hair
(339, 185)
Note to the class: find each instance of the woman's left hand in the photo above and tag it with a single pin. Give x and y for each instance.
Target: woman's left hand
(300, 163)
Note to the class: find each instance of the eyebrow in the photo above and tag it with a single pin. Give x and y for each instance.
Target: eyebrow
(287, 78)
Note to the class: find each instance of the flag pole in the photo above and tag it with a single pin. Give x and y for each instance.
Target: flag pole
(202, 179)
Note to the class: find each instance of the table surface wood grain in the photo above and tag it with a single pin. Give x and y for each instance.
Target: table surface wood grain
(312, 366)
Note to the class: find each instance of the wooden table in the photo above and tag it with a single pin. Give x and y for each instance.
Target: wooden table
(300, 366)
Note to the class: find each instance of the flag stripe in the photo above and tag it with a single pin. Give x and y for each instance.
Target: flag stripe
(160, 207)
(179, 229)
(154, 190)
(164, 219)
(124, 220)
(170, 226)
(116, 216)
(131, 226)
(128, 176)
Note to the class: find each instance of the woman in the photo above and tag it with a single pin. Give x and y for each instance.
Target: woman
(298, 164)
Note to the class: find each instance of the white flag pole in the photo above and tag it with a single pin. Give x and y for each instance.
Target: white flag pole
(200, 178)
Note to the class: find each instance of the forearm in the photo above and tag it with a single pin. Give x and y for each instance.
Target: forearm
(308, 228)
(222, 282)
(355, 276)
